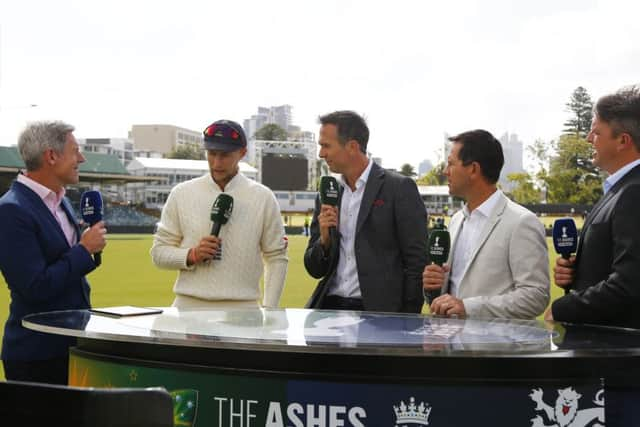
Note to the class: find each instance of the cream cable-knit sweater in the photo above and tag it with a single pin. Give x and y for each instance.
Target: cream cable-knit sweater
(254, 234)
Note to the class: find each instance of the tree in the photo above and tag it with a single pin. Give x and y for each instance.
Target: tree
(271, 132)
(188, 151)
(407, 170)
(524, 191)
(572, 176)
(581, 108)
(435, 176)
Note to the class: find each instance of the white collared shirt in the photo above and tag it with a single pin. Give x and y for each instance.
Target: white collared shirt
(617, 176)
(467, 239)
(53, 202)
(346, 282)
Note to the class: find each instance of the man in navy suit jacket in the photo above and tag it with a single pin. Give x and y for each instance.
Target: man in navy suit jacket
(43, 256)
(604, 276)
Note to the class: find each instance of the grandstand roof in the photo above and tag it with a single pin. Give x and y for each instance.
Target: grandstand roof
(95, 162)
(198, 165)
(97, 167)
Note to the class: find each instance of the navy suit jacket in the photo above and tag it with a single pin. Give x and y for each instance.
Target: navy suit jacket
(390, 246)
(42, 271)
(606, 285)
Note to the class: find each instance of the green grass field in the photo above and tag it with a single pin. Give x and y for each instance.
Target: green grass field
(127, 277)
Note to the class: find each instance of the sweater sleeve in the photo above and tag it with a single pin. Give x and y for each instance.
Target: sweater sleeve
(166, 251)
(274, 252)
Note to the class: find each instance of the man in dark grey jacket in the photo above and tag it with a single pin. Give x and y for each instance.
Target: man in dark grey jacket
(604, 276)
(375, 259)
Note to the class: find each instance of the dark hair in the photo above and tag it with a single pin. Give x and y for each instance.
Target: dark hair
(621, 111)
(350, 126)
(480, 146)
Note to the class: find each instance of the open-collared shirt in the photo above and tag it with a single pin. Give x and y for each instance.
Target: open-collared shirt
(53, 202)
(617, 176)
(346, 280)
(467, 240)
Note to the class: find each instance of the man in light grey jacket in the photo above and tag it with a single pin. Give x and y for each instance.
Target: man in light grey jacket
(498, 265)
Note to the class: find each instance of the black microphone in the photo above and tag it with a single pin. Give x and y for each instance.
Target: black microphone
(221, 212)
(329, 195)
(329, 190)
(438, 246)
(91, 209)
(565, 238)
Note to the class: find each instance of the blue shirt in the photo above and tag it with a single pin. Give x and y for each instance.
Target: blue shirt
(617, 176)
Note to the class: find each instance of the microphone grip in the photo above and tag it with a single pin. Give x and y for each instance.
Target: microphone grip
(566, 256)
(215, 229)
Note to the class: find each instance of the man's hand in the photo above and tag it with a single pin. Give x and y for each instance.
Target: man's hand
(548, 315)
(93, 238)
(563, 271)
(206, 250)
(447, 305)
(433, 276)
(327, 218)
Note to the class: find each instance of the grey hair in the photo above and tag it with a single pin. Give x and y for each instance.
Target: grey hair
(621, 111)
(37, 137)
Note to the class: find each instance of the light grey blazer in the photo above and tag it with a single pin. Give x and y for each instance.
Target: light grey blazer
(508, 273)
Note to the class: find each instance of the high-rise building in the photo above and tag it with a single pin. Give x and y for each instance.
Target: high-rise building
(424, 167)
(280, 115)
(512, 148)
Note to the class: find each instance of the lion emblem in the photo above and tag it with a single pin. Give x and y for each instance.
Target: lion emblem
(565, 413)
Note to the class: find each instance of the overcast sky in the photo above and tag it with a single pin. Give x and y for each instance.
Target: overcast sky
(415, 69)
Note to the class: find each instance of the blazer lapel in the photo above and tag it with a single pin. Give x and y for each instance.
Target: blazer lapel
(493, 220)
(41, 209)
(68, 209)
(371, 189)
(454, 230)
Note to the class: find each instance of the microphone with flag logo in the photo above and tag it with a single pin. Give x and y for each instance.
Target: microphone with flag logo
(91, 209)
(438, 245)
(565, 238)
(220, 214)
(329, 195)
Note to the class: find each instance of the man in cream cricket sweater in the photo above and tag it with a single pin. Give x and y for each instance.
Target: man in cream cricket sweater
(253, 235)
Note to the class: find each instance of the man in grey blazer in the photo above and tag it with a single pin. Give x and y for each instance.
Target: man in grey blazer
(498, 265)
(374, 260)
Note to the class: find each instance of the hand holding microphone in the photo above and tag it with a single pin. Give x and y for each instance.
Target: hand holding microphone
(210, 247)
(565, 242)
(433, 276)
(328, 217)
(93, 238)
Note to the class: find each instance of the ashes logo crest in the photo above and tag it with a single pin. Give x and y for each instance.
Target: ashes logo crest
(412, 414)
(565, 412)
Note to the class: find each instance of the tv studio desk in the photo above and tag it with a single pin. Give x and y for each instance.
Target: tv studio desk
(296, 367)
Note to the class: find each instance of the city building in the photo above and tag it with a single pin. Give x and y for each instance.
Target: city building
(173, 171)
(162, 138)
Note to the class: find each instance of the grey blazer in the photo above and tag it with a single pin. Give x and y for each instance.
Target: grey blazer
(390, 246)
(508, 273)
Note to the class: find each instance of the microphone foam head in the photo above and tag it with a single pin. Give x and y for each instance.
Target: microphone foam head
(222, 208)
(565, 236)
(329, 191)
(91, 206)
(438, 246)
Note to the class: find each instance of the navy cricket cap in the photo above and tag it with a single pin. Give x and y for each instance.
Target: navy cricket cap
(224, 135)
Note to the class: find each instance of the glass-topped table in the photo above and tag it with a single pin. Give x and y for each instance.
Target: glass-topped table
(261, 365)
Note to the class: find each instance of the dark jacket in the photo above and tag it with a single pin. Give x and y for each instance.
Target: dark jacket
(606, 285)
(42, 271)
(390, 246)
